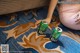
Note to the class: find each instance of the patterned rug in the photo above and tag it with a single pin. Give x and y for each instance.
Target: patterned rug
(20, 32)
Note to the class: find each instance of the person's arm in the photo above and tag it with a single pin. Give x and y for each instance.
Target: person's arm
(52, 6)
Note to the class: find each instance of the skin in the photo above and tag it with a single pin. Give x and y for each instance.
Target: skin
(69, 14)
(52, 6)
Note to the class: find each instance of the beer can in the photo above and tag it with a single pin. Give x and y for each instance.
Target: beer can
(42, 27)
(56, 33)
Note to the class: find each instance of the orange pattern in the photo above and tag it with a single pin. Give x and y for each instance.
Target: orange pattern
(37, 42)
(17, 31)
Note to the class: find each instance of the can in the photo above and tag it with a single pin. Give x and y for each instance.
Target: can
(56, 33)
(43, 26)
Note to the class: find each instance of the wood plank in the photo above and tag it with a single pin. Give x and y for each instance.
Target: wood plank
(9, 6)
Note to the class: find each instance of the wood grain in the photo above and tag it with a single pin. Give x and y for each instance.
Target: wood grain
(9, 6)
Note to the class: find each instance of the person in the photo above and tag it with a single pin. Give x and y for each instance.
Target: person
(69, 14)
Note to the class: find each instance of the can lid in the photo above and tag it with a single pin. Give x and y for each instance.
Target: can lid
(59, 29)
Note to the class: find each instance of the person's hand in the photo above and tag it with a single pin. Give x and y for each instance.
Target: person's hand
(38, 21)
(47, 21)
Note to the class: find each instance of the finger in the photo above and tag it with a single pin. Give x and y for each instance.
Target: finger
(37, 22)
